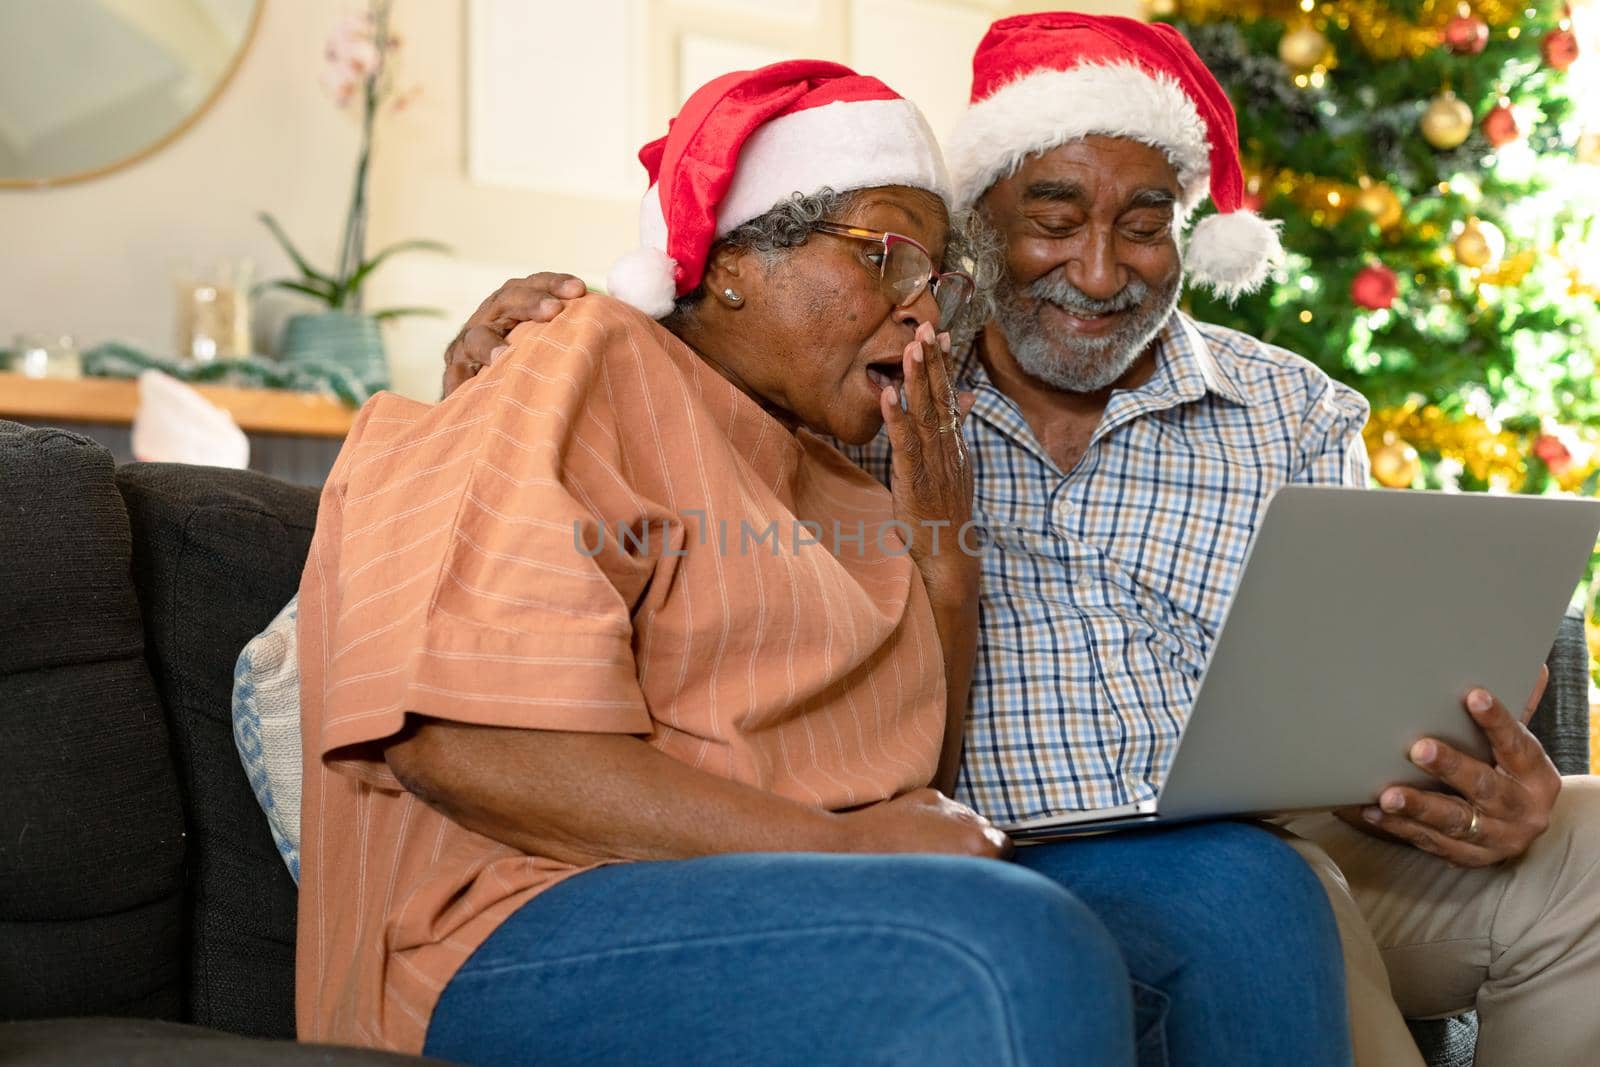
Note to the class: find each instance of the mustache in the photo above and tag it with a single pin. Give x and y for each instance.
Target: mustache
(1053, 289)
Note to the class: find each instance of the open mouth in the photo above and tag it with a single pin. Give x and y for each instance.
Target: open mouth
(888, 372)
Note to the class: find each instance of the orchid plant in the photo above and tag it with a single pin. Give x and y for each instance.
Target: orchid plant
(360, 71)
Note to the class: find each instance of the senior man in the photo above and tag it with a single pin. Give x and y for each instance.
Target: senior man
(1127, 451)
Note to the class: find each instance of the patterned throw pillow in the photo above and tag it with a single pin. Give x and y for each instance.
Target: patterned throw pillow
(266, 728)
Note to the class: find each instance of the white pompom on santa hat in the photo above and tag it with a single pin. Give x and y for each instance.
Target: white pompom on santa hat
(1041, 81)
(749, 140)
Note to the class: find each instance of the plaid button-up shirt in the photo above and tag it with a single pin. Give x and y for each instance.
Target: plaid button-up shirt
(1104, 586)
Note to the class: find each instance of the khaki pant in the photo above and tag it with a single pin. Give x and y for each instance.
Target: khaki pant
(1519, 942)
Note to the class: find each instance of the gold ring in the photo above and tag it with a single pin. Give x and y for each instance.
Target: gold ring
(953, 426)
(1472, 827)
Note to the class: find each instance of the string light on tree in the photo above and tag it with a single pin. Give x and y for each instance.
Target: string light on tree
(1254, 199)
(1447, 122)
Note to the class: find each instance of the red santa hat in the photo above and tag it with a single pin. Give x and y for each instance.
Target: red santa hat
(1040, 81)
(747, 141)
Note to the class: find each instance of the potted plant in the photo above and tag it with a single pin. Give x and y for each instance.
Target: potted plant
(360, 70)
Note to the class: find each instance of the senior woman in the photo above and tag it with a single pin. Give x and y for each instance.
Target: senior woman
(620, 684)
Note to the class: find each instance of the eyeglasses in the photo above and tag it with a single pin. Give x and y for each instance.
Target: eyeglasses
(906, 270)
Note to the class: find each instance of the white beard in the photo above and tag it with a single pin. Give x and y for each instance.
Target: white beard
(1081, 364)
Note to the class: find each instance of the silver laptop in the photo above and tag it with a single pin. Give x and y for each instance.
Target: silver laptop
(1362, 619)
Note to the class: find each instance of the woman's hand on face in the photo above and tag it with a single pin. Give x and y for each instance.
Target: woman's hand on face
(536, 298)
(924, 820)
(932, 477)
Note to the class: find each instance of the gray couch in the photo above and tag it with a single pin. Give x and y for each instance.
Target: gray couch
(145, 914)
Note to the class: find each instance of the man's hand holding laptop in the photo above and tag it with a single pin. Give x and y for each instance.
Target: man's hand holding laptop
(1496, 810)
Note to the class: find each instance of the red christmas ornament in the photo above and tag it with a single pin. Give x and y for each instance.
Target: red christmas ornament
(1500, 126)
(1559, 48)
(1374, 287)
(1466, 35)
(1553, 453)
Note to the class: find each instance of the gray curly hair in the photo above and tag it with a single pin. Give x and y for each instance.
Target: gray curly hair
(978, 248)
(787, 226)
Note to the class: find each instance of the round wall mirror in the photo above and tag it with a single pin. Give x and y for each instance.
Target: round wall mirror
(87, 86)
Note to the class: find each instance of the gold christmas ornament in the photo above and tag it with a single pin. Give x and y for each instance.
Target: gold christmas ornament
(1379, 200)
(1396, 465)
(1479, 244)
(1304, 49)
(1162, 9)
(1447, 122)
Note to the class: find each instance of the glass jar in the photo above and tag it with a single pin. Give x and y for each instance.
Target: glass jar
(36, 356)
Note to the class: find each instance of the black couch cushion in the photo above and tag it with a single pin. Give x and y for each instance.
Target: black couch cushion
(91, 829)
(217, 553)
(138, 1043)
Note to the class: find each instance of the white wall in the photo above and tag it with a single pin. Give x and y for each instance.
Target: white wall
(98, 259)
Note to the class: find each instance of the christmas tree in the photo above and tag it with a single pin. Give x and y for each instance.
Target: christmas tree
(1437, 191)
(1427, 163)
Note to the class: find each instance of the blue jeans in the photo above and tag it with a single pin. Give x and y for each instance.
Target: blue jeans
(1204, 945)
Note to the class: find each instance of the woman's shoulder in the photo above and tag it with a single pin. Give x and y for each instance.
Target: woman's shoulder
(607, 352)
(588, 328)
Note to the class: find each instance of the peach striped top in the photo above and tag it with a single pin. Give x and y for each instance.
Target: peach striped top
(447, 577)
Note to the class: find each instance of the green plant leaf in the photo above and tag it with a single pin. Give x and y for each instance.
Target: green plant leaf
(294, 253)
(398, 313)
(322, 295)
(354, 282)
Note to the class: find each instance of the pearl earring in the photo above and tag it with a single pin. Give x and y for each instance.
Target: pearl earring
(732, 297)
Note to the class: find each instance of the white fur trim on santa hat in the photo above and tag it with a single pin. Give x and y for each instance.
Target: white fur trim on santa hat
(1049, 108)
(645, 278)
(842, 146)
(1232, 254)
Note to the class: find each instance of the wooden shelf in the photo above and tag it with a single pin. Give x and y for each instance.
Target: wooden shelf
(114, 400)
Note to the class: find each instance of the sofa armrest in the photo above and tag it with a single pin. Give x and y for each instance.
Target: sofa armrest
(1562, 721)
